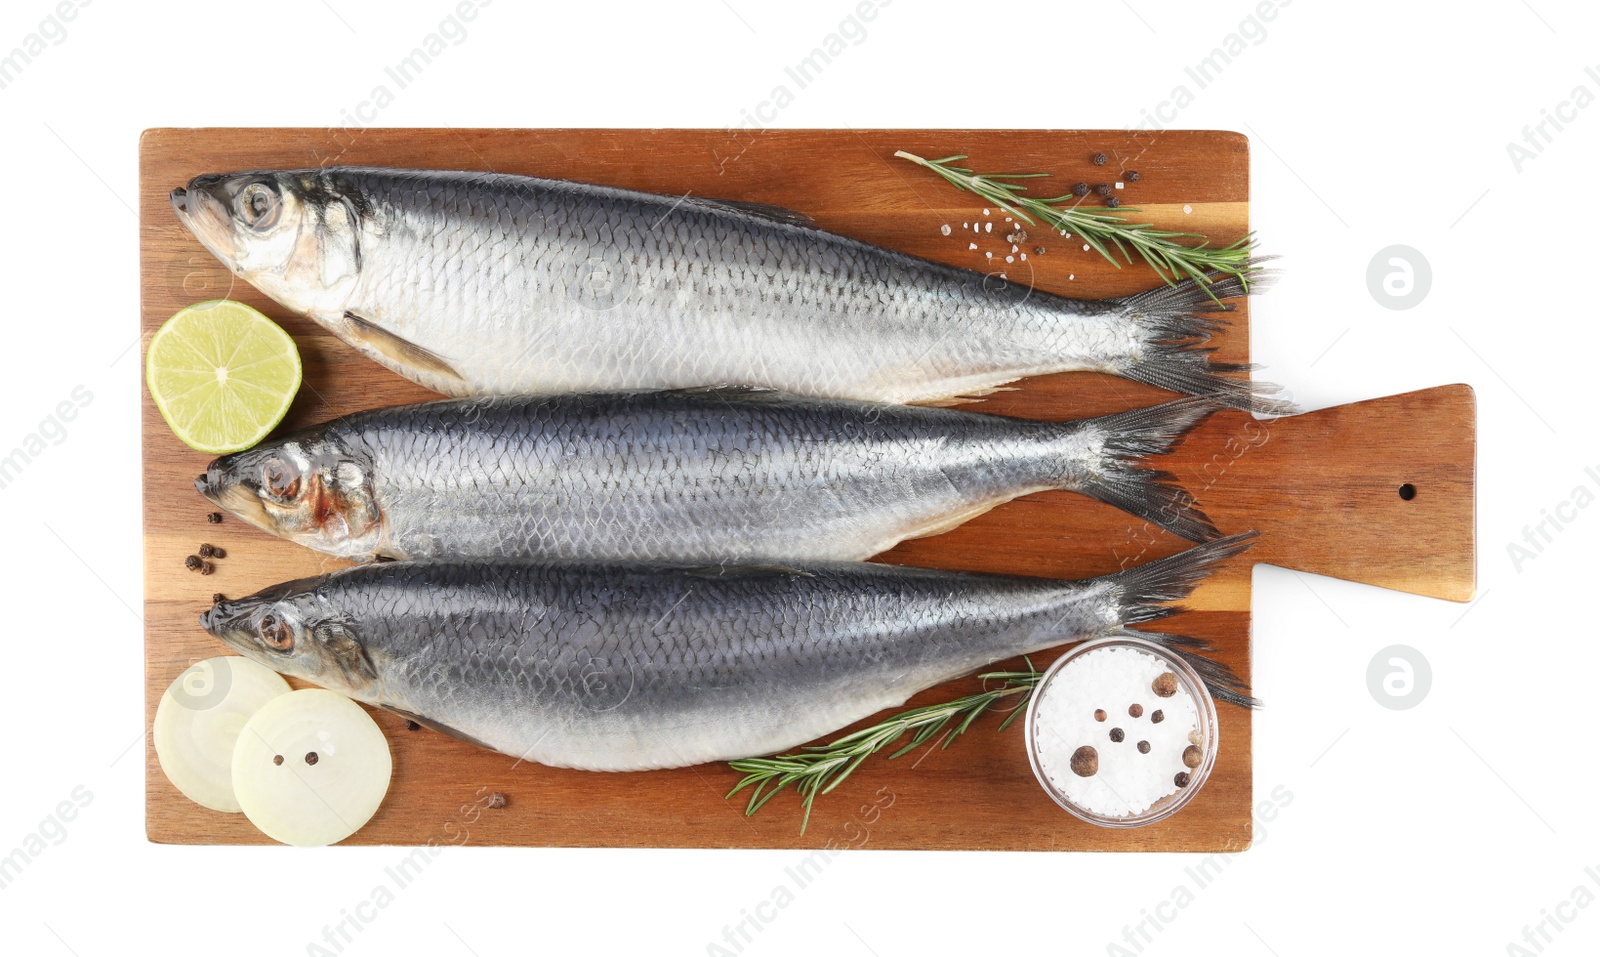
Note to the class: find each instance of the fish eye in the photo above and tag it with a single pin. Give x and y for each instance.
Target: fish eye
(275, 633)
(280, 480)
(258, 206)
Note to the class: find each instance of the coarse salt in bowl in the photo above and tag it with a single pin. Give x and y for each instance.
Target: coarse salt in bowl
(1121, 732)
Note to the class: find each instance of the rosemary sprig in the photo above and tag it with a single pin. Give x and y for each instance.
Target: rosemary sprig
(819, 769)
(1163, 249)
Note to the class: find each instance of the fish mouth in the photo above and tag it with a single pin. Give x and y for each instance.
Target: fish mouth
(209, 484)
(215, 619)
(233, 496)
(231, 621)
(220, 489)
(226, 621)
(204, 215)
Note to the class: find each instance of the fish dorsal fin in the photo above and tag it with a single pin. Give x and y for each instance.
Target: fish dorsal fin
(767, 211)
(398, 350)
(764, 570)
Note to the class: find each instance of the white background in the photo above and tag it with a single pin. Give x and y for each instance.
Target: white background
(1445, 828)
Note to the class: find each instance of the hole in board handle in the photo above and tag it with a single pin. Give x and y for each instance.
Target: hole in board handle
(1408, 491)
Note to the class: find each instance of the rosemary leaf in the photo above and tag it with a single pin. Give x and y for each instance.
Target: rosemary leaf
(818, 769)
(1174, 256)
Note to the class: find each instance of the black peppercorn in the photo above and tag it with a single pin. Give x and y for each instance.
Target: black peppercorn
(1117, 735)
(1085, 762)
(1156, 717)
(1181, 779)
(1131, 176)
(192, 563)
(1143, 746)
(207, 568)
(1113, 202)
(1099, 159)
(1082, 189)
(1104, 189)
(214, 518)
(497, 800)
(311, 757)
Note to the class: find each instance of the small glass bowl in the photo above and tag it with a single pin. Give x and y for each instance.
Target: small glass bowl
(1206, 718)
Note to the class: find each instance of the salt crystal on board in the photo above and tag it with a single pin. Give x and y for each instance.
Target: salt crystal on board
(945, 229)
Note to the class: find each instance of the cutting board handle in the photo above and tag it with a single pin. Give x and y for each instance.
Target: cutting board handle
(1379, 492)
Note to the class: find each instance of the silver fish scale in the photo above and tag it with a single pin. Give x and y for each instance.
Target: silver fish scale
(528, 285)
(693, 476)
(629, 667)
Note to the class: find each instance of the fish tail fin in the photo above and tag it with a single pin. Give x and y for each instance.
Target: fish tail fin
(1147, 590)
(1154, 495)
(1145, 594)
(1178, 320)
(1220, 680)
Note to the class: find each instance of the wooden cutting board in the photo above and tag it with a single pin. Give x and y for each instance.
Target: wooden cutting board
(1321, 488)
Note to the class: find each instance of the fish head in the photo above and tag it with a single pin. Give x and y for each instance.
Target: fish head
(293, 235)
(313, 489)
(290, 629)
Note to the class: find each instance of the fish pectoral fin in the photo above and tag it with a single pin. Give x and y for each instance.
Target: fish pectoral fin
(966, 398)
(444, 729)
(776, 214)
(948, 402)
(398, 350)
(732, 391)
(764, 570)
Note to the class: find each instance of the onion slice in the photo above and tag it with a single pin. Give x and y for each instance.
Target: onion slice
(310, 768)
(198, 722)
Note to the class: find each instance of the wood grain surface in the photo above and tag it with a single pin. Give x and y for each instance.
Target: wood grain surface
(1321, 488)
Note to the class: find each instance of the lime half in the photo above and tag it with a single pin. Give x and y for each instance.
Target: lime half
(222, 375)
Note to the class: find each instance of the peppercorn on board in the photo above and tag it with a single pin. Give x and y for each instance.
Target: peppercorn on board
(1322, 488)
